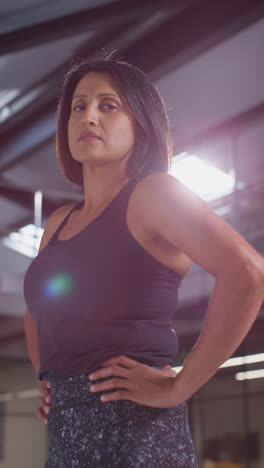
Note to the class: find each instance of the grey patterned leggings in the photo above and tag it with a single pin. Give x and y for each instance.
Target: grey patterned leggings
(87, 433)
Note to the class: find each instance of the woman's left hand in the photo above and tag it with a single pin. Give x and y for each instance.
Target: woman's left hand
(136, 382)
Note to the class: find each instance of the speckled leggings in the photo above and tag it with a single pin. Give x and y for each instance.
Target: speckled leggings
(87, 433)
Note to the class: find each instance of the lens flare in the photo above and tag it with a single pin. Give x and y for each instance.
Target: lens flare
(59, 285)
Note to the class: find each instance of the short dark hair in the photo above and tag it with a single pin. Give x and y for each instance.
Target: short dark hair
(152, 151)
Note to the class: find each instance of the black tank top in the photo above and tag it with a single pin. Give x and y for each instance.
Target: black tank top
(100, 294)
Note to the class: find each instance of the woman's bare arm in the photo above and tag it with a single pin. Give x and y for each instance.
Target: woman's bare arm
(184, 220)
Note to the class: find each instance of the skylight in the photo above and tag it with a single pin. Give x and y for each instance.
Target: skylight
(26, 241)
(202, 178)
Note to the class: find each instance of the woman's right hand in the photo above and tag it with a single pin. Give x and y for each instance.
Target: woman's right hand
(44, 392)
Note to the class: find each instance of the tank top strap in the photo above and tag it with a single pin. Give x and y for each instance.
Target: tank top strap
(118, 209)
(64, 221)
(139, 178)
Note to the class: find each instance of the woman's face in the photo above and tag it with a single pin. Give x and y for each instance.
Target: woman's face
(98, 107)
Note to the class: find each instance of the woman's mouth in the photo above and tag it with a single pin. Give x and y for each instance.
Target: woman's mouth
(88, 136)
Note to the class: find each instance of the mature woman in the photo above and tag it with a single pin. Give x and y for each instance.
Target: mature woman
(102, 293)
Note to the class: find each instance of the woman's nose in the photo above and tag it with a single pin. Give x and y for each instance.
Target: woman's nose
(90, 116)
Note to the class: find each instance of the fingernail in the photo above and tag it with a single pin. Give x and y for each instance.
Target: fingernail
(91, 376)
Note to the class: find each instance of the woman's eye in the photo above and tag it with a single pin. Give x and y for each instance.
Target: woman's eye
(104, 106)
(109, 106)
(78, 107)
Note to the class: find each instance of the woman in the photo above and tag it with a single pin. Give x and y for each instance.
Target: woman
(102, 292)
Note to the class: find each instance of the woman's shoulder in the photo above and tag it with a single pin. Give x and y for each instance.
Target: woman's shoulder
(153, 190)
(149, 218)
(159, 182)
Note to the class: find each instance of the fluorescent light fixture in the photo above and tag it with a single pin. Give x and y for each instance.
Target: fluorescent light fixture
(202, 178)
(4, 397)
(26, 241)
(253, 374)
(240, 361)
(6, 95)
(9, 108)
(22, 394)
(30, 393)
(237, 361)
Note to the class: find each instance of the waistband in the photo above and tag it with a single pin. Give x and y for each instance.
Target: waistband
(74, 390)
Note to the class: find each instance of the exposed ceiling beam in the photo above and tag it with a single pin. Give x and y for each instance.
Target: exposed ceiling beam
(25, 17)
(48, 22)
(230, 127)
(48, 88)
(197, 28)
(27, 139)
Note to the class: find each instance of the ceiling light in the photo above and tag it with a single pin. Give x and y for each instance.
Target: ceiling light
(254, 374)
(6, 95)
(22, 394)
(4, 397)
(26, 241)
(237, 361)
(240, 361)
(202, 178)
(30, 393)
